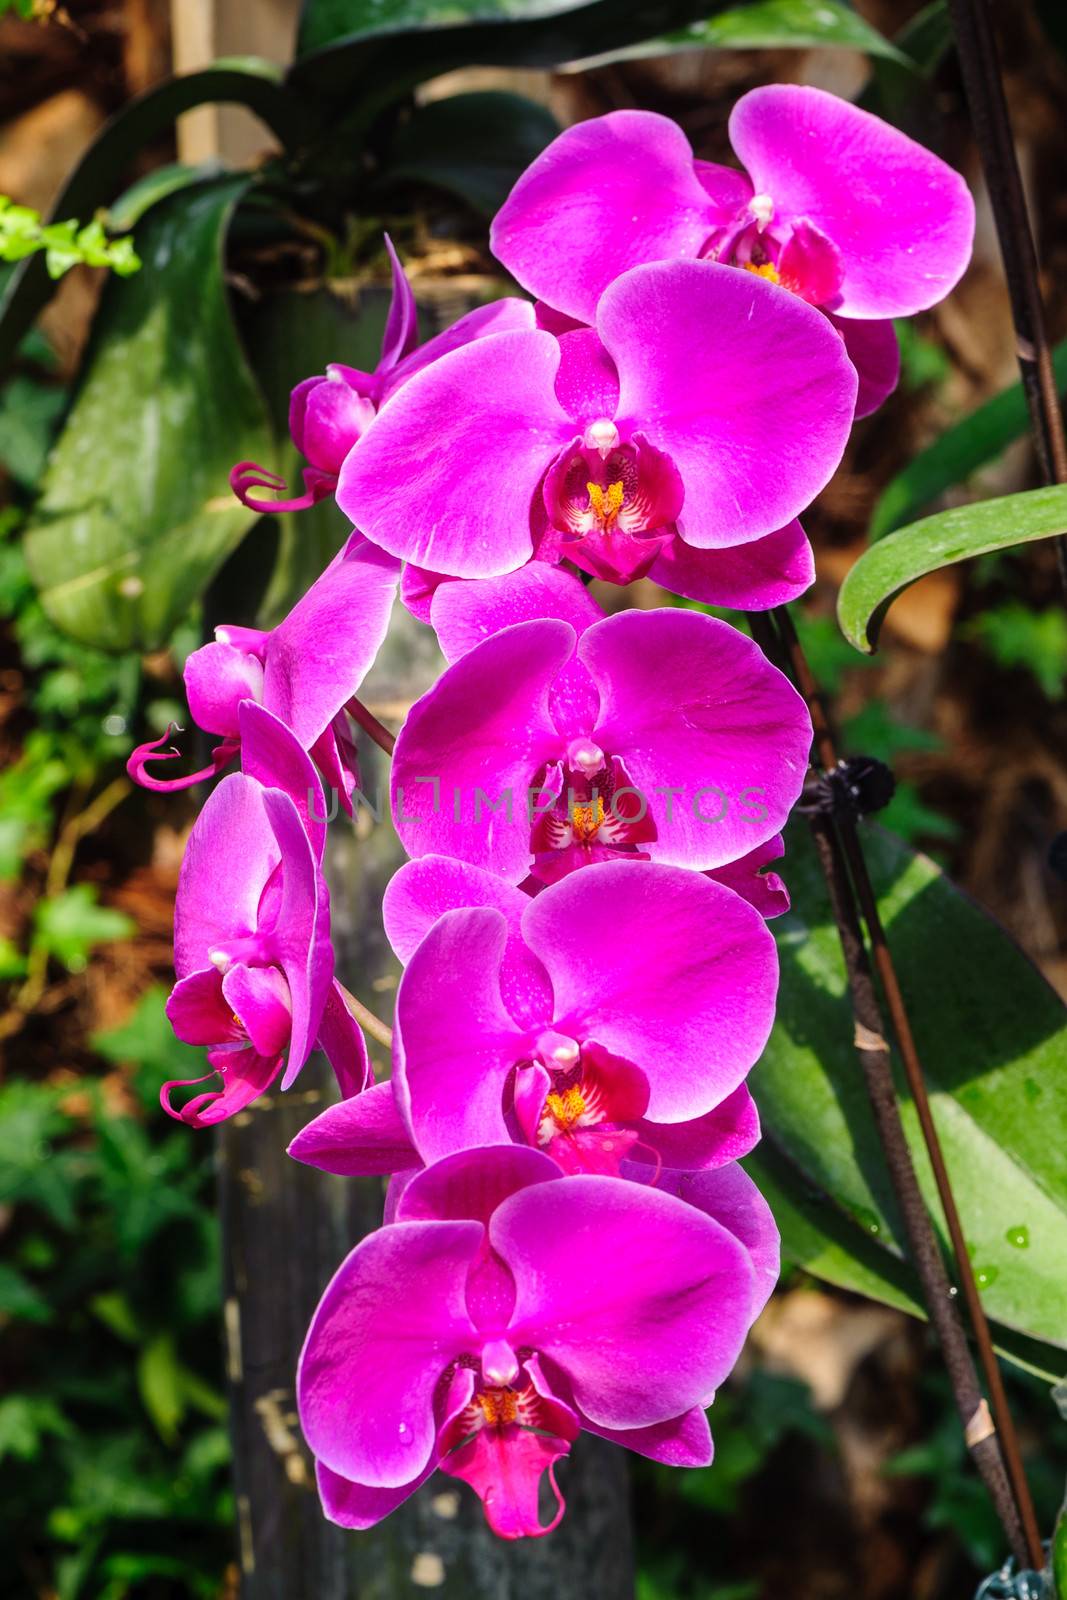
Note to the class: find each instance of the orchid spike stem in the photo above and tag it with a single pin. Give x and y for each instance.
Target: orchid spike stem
(367, 1020)
(370, 725)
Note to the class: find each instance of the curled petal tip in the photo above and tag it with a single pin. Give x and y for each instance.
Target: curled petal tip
(136, 766)
(246, 476)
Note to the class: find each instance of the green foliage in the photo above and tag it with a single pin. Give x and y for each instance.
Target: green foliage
(896, 561)
(113, 1458)
(65, 244)
(776, 25)
(992, 1036)
(472, 145)
(71, 924)
(1017, 636)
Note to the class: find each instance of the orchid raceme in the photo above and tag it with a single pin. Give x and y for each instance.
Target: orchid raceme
(330, 412)
(662, 735)
(506, 1308)
(609, 1021)
(835, 205)
(304, 671)
(252, 947)
(706, 410)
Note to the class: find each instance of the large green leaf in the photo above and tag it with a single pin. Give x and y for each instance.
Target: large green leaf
(993, 1040)
(471, 145)
(136, 512)
(246, 81)
(368, 52)
(976, 530)
(958, 452)
(773, 25)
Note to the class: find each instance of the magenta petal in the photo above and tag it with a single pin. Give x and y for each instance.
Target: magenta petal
(745, 388)
(417, 588)
(642, 1300)
(902, 220)
(319, 655)
(607, 194)
(217, 678)
(259, 998)
(230, 855)
(752, 577)
(764, 890)
(245, 1076)
(810, 264)
(341, 1040)
(468, 1186)
(726, 1133)
(504, 1466)
(727, 189)
(874, 352)
(221, 757)
(466, 613)
(455, 1043)
(390, 1322)
(446, 474)
(424, 890)
(730, 1197)
(271, 754)
(472, 746)
(401, 326)
(353, 1505)
(663, 968)
(684, 1441)
(692, 706)
(197, 1010)
(365, 1134)
(587, 384)
(499, 316)
(300, 940)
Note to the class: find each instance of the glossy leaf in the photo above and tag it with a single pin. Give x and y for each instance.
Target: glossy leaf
(773, 25)
(473, 146)
(939, 541)
(246, 81)
(136, 513)
(992, 1036)
(367, 53)
(960, 451)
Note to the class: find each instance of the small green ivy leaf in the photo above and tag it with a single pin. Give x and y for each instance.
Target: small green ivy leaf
(71, 924)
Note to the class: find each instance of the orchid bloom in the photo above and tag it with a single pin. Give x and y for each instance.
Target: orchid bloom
(508, 1307)
(252, 947)
(577, 738)
(329, 413)
(835, 205)
(304, 671)
(705, 411)
(609, 1021)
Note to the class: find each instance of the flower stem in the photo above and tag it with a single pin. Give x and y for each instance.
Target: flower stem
(370, 724)
(367, 1020)
(980, 66)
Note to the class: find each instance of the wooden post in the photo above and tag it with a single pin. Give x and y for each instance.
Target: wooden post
(287, 1227)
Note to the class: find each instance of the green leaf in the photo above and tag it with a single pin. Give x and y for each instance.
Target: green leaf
(1017, 636)
(471, 145)
(368, 53)
(957, 535)
(29, 412)
(148, 1043)
(246, 81)
(959, 452)
(25, 1423)
(136, 513)
(19, 1298)
(772, 25)
(159, 1381)
(992, 1036)
(71, 924)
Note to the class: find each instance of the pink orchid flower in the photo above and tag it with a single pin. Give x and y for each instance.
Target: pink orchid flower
(577, 738)
(508, 1307)
(330, 412)
(252, 946)
(304, 671)
(839, 207)
(705, 411)
(609, 1021)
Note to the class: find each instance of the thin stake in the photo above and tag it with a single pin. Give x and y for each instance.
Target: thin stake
(848, 843)
(370, 724)
(982, 80)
